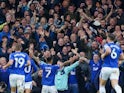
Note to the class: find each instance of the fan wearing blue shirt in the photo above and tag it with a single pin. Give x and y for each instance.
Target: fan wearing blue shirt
(5, 32)
(95, 68)
(4, 73)
(18, 61)
(112, 54)
(73, 84)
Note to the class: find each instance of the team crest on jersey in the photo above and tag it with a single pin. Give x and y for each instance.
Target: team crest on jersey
(62, 72)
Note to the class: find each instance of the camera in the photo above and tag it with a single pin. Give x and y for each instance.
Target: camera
(35, 1)
(71, 54)
(47, 28)
(58, 23)
(3, 86)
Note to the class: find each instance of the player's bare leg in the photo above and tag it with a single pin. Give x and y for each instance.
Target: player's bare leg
(114, 83)
(27, 91)
(102, 86)
(20, 86)
(13, 89)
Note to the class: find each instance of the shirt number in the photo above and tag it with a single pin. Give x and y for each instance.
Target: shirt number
(113, 54)
(48, 72)
(28, 69)
(19, 62)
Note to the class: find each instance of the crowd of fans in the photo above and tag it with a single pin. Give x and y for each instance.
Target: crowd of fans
(56, 27)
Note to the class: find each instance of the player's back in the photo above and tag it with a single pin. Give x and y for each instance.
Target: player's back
(28, 70)
(19, 62)
(49, 72)
(111, 60)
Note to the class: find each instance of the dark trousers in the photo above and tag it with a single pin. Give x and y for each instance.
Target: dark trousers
(36, 90)
(65, 91)
(90, 87)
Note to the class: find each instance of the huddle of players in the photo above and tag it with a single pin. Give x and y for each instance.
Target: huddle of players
(20, 71)
(21, 67)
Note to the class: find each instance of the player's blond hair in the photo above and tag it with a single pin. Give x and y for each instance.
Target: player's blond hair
(18, 47)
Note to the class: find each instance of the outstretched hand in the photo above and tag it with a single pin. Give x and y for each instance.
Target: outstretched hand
(81, 59)
(3, 67)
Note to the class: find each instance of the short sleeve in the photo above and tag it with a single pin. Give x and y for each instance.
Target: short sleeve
(11, 57)
(27, 57)
(34, 66)
(57, 66)
(42, 62)
(42, 66)
(106, 46)
(90, 63)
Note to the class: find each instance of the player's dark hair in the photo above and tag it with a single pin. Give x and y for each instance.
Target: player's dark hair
(111, 36)
(49, 59)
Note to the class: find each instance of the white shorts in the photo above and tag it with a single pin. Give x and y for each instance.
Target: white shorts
(49, 89)
(28, 85)
(111, 73)
(17, 80)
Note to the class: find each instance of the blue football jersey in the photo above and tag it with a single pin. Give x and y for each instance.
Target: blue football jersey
(95, 68)
(28, 71)
(72, 77)
(49, 72)
(4, 76)
(20, 60)
(111, 60)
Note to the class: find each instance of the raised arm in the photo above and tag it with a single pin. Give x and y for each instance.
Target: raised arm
(36, 59)
(71, 60)
(72, 66)
(110, 13)
(107, 52)
(85, 15)
(28, 63)
(31, 53)
(85, 59)
(75, 52)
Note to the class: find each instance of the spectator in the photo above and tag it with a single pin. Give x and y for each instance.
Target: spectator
(4, 74)
(72, 80)
(62, 75)
(95, 66)
(83, 74)
(63, 55)
(5, 32)
(4, 45)
(59, 45)
(37, 85)
(75, 24)
(94, 49)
